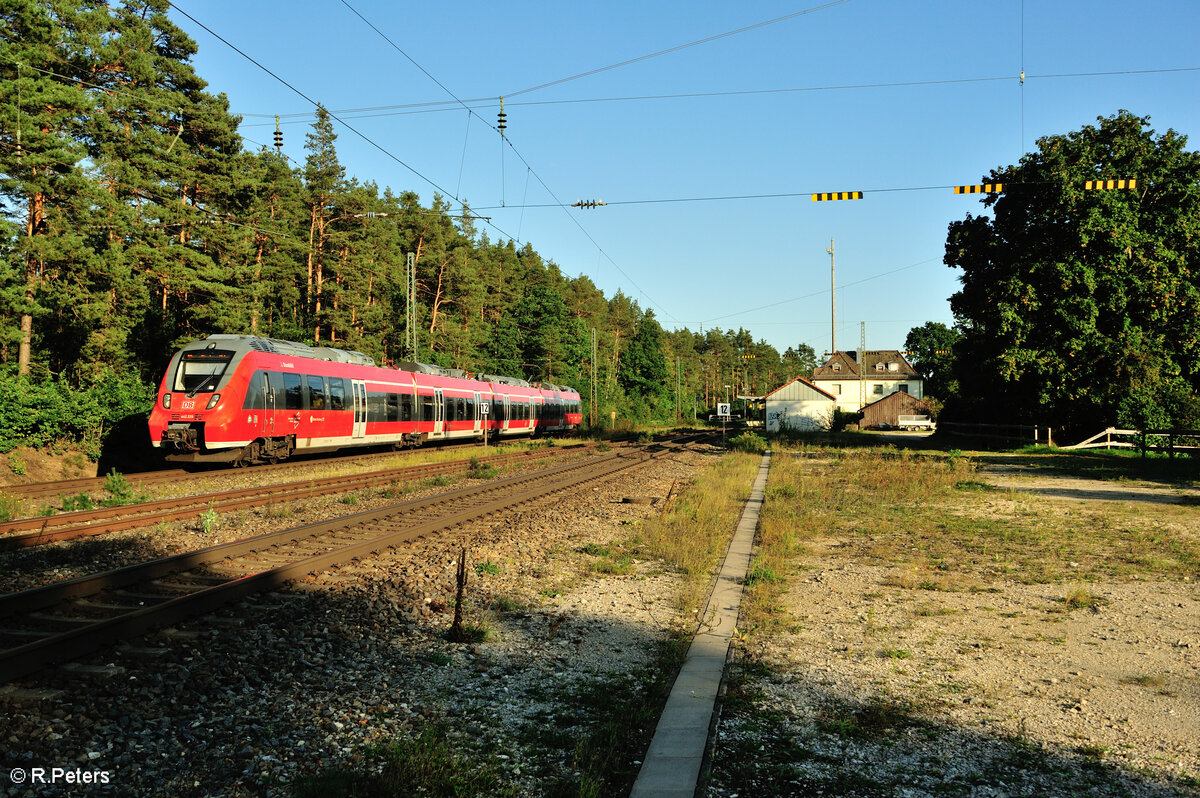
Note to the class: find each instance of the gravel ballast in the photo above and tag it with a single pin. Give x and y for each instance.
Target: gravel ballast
(327, 673)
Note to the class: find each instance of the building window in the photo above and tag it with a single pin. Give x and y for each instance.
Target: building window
(878, 389)
(902, 387)
(836, 366)
(837, 389)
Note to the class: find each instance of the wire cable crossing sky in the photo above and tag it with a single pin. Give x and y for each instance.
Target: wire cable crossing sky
(704, 128)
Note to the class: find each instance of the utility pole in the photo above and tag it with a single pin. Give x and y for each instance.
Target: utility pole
(862, 353)
(592, 410)
(832, 301)
(677, 410)
(410, 321)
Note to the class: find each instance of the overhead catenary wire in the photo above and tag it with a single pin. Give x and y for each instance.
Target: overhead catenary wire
(676, 48)
(438, 106)
(776, 195)
(390, 155)
(505, 139)
(818, 293)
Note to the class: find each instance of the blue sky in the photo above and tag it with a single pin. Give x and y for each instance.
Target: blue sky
(897, 99)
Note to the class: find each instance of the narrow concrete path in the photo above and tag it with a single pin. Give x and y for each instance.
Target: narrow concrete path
(672, 765)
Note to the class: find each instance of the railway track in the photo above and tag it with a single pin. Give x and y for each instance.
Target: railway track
(66, 620)
(37, 531)
(38, 491)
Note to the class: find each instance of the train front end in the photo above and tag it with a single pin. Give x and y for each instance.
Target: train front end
(195, 416)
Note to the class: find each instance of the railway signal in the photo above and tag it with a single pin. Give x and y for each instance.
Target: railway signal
(838, 195)
(984, 188)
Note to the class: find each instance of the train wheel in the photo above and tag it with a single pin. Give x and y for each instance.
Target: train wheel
(248, 456)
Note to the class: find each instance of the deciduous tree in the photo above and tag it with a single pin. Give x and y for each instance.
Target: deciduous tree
(1082, 308)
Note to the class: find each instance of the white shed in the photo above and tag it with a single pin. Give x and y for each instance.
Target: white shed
(799, 405)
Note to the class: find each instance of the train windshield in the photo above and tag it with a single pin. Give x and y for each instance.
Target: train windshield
(201, 370)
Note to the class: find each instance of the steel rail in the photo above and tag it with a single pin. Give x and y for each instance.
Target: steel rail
(24, 659)
(83, 523)
(68, 487)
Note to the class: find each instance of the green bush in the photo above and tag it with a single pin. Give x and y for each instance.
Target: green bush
(39, 412)
(843, 418)
(81, 501)
(748, 442)
(120, 492)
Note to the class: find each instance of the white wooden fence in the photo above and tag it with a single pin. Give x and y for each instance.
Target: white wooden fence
(1173, 441)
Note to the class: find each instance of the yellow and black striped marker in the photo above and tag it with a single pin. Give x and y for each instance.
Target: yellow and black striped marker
(1105, 185)
(838, 195)
(983, 188)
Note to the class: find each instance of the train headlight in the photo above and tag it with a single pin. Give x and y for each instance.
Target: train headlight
(216, 397)
(167, 400)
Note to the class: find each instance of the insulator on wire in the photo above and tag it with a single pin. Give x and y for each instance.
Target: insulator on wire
(501, 118)
(278, 135)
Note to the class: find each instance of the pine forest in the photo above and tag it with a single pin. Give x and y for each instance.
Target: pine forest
(135, 219)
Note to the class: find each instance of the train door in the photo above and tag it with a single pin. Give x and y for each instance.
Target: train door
(507, 414)
(439, 413)
(263, 390)
(478, 415)
(360, 408)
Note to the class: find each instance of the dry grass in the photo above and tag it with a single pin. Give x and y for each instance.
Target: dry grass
(694, 531)
(911, 510)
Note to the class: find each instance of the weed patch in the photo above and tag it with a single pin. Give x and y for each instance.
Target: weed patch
(425, 764)
(10, 507)
(481, 470)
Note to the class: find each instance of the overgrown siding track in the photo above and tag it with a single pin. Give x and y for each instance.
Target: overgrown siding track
(66, 620)
(37, 531)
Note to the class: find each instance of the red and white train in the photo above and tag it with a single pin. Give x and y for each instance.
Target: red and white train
(243, 399)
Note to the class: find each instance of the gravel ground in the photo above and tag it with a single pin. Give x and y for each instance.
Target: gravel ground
(294, 682)
(872, 687)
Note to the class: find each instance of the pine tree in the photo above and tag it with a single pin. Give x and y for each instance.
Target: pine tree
(324, 183)
(44, 68)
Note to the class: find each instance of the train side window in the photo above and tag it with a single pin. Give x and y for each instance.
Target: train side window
(256, 392)
(337, 393)
(293, 392)
(461, 408)
(274, 390)
(393, 407)
(376, 406)
(426, 407)
(406, 407)
(316, 392)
